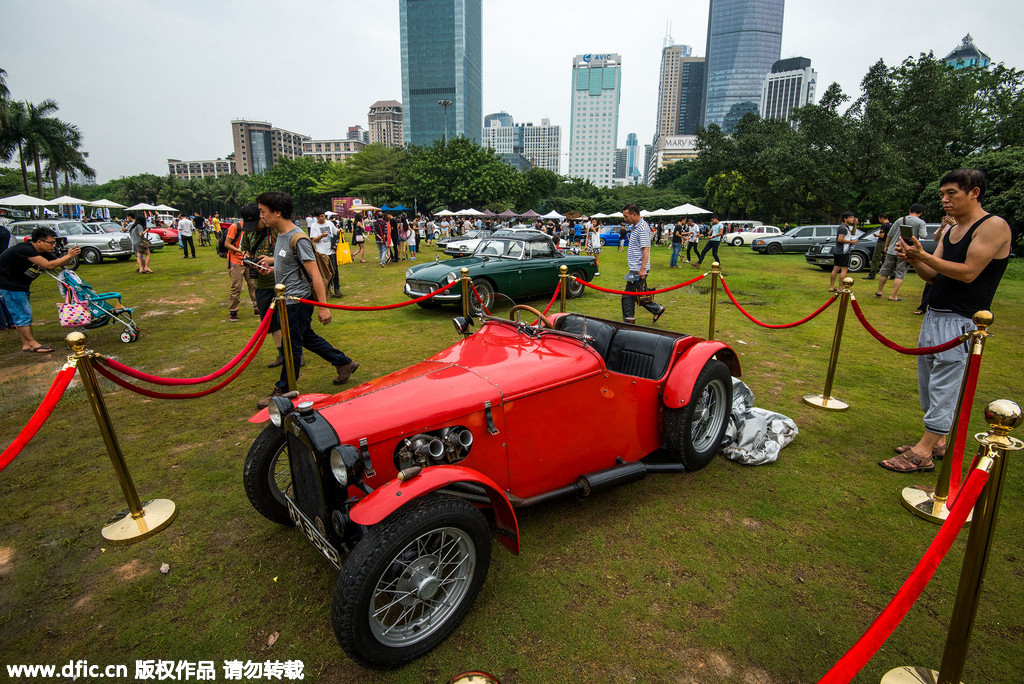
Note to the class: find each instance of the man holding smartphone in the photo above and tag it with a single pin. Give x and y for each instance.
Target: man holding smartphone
(964, 271)
(908, 227)
(844, 243)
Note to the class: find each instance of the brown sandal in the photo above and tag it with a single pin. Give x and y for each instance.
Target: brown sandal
(938, 451)
(909, 462)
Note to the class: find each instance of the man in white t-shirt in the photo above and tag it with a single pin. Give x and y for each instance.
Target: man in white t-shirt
(185, 230)
(323, 233)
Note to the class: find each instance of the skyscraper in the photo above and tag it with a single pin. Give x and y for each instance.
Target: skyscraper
(680, 91)
(441, 62)
(633, 159)
(386, 123)
(791, 84)
(594, 124)
(744, 40)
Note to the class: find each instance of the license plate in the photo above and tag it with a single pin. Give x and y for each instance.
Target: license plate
(312, 534)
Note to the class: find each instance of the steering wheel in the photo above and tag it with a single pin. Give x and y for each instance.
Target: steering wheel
(513, 315)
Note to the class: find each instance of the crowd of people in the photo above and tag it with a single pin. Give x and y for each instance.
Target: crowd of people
(265, 247)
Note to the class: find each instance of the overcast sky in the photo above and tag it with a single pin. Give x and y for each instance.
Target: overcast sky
(147, 80)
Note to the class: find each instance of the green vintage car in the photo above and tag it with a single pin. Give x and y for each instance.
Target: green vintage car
(518, 267)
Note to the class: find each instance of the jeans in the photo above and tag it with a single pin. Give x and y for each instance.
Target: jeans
(713, 246)
(186, 242)
(300, 329)
(382, 249)
(676, 248)
(692, 246)
(629, 301)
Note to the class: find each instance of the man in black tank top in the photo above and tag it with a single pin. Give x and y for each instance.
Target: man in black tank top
(964, 272)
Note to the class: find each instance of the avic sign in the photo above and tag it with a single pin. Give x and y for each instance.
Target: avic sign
(587, 57)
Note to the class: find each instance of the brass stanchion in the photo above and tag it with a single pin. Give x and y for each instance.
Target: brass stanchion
(286, 337)
(716, 273)
(141, 520)
(930, 502)
(563, 276)
(825, 400)
(1002, 416)
(466, 292)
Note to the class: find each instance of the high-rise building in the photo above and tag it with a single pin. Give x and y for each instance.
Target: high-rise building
(966, 54)
(680, 91)
(596, 85)
(542, 144)
(791, 84)
(441, 62)
(523, 145)
(621, 162)
(258, 145)
(744, 40)
(386, 123)
(633, 159)
(203, 168)
(331, 150)
(649, 173)
(358, 133)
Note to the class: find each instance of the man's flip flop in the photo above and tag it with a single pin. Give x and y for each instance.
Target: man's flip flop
(898, 299)
(41, 349)
(908, 462)
(658, 315)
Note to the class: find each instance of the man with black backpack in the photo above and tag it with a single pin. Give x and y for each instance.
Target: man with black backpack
(294, 265)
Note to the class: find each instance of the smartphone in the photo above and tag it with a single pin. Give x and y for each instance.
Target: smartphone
(907, 233)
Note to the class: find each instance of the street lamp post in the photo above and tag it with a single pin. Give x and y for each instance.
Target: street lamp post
(446, 104)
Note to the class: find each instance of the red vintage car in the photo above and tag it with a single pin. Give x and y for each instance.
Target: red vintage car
(168, 235)
(403, 500)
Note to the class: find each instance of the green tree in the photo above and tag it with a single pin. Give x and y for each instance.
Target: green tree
(64, 156)
(373, 173)
(458, 174)
(26, 133)
(301, 178)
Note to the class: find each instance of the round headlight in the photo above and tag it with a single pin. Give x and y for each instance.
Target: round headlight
(346, 464)
(275, 414)
(278, 408)
(408, 273)
(451, 277)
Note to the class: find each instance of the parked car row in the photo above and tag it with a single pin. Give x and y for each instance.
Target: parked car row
(98, 241)
(821, 255)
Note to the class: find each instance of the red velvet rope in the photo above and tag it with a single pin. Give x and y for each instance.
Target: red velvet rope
(784, 325)
(383, 307)
(861, 652)
(261, 332)
(917, 351)
(553, 298)
(962, 423)
(53, 395)
(189, 395)
(637, 294)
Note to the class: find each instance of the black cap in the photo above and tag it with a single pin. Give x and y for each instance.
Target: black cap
(250, 217)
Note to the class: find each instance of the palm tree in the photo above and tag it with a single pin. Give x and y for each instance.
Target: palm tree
(64, 156)
(25, 133)
(5, 96)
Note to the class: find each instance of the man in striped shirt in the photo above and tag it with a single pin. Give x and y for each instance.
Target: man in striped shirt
(638, 261)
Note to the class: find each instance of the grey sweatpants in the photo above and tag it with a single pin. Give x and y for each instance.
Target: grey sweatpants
(939, 375)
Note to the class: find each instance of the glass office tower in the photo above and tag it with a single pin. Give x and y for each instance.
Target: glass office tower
(594, 126)
(441, 60)
(744, 40)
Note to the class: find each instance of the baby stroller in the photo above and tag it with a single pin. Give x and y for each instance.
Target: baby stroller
(101, 305)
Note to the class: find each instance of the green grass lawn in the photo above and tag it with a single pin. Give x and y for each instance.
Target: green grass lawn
(730, 574)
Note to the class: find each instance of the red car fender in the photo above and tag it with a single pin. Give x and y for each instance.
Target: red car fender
(263, 415)
(682, 378)
(387, 499)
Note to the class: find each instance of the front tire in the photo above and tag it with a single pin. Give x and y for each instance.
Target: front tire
(410, 581)
(574, 289)
(486, 291)
(857, 262)
(737, 242)
(91, 256)
(774, 248)
(694, 433)
(267, 475)
(603, 242)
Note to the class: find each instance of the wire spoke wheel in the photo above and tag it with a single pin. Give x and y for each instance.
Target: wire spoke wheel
(267, 475)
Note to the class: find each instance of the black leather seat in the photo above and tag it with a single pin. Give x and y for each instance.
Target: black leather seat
(601, 332)
(639, 353)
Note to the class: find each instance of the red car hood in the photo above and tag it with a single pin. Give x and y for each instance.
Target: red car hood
(496, 364)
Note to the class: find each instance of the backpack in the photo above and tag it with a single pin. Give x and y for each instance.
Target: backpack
(222, 250)
(323, 263)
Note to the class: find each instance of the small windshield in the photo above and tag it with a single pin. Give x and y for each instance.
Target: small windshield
(72, 228)
(500, 248)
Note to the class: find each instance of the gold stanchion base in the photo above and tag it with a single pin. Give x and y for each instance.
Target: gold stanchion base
(910, 675)
(124, 529)
(920, 501)
(829, 403)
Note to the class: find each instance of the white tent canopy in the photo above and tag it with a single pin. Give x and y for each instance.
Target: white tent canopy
(23, 201)
(553, 215)
(164, 207)
(469, 212)
(617, 214)
(444, 212)
(142, 206)
(660, 212)
(106, 204)
(67, 199)
(686, 210)
(599, 215)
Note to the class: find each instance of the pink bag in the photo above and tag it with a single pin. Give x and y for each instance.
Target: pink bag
(73, 313)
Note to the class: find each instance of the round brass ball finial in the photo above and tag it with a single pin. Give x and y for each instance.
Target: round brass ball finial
(279, 289)
(464, 271)
(982, 319)
(1003, 415)
(847, 282)
(563, 269)
(75, 341)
